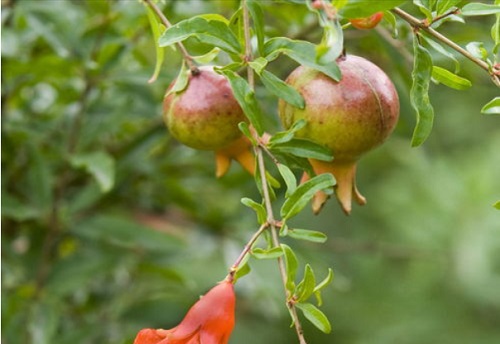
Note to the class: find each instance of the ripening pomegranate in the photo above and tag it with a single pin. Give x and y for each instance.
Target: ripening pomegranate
(205, 115)
(350, 117)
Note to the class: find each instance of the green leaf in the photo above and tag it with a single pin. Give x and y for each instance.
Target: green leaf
(497, 205)
(443, 6)
(257, 207)
(477, 49)
(302, 52)
(291, 267)
(390, 18)
(332, 42)
(157, 30)
(246, 98)
(182, 80)
(303, 148)
(245, 129)
(425, 8)
(209, 29)
(492, 107)
(449, 79)
(258, 64)
(317, 290)
(479, 9)
(365, 8)
(243, 270)
(440, 49)
(308, 235)
(285, 136)
(208, 57)
(100, 165)
(281, 89)
(258, 22)
(419, 94)
(289, 178)
(306, 287)
(40, 180)
(272, 253)
(303, 194)
(15, 209)
(315, 316)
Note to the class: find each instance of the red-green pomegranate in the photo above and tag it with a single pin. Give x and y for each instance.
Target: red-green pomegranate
(205, 115)
(350, 117)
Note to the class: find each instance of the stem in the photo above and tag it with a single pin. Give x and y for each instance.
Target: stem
(265, 189)
(189, 60)
(419, 25)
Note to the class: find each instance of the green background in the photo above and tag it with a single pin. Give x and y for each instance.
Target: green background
(109, 225)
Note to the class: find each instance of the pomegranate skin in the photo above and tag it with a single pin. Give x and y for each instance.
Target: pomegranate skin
(351, 116)
(205, 115)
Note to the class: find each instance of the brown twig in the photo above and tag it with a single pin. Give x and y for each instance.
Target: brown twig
(189, 60)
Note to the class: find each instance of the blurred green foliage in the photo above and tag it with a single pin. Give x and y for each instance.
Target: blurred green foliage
(109, 225)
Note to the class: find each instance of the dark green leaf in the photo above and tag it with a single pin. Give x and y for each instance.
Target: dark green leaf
(492, 107)
(100, 165)
(281, 89)
(365, 8)
(289, 178)
(208, 29)
(419, 94)
(257, 207)
(157, 30)
(449, 79)
(258, 22)
(40, 180)
(480, 9)
(291, 267)
(303, 148)
(315, 316)
(246, 98)
(308, 235)
(302, 52)
(306, 287)
(272, 253)
(299, 199)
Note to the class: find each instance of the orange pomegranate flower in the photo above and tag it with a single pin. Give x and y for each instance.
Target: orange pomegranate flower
(209, 321)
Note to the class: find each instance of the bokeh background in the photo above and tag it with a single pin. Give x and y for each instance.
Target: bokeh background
(109, 225)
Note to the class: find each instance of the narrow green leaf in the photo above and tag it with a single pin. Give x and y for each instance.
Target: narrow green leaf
(281, 89)
(425, 8)
(258, 64)
(449, 79)
(209, 29)
(308, 235)
(365, 8)
(181, 82)
(419, 94)
(272, 253)
(303, 194)
(303, 148)
(245, 129)
(390, 18)
(492, 107)
(289, 178)
(208, 57)
(479, 9)
(246, 98)
(285, 136)
(14, 209)
(443, 6)
(440, 49)
(477, 49)
(497, 205)
(322, 285)
(100, 165)
(257, 207)
(40, 180)
(306, 287)
(332, 43)
(243, 270)
(302, 52)
(315, 316)
(157, 30)
(292, 265)
(258, 23)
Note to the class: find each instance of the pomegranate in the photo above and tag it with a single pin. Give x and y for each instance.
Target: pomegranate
(368, 22)
(205, 115)
(350, 117)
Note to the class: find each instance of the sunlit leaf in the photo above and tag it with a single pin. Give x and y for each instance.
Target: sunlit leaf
(257, 207)
(292, 265)
(419, 94)
(497, 205)
(308, 235)
(289, 178)
(449, 79)
(442, 50)
(208, 57)
(492, 107)
(306, 287)
(157, 30)
(479, 9)
(442, 6)
(272, 253)
(304, 193)
(315, 316)
(181, 82)
(258, 22)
